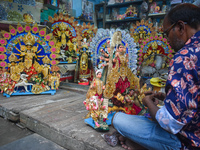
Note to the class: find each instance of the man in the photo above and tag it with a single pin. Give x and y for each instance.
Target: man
(177, 124)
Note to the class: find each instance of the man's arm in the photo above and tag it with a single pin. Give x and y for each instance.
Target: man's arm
(150, 102)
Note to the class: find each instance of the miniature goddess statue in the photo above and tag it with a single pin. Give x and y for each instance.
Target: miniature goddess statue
(84, 66)
(93, 102)
(54, 78)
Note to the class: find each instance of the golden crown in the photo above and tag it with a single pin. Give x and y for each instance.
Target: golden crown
(85, 46)
(141, 28)
(62, 26)
(46, 60)
(29, 39)
(154, 45)
(12, 58)
(74, 40)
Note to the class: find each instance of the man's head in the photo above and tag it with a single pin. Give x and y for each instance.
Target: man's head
(180, 23)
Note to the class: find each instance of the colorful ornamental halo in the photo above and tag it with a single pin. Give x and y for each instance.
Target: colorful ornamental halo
(147, 47)
(99, 42)
(147, 27)
(13, 40)
(86, 30)
(71, 25)
(69, 28)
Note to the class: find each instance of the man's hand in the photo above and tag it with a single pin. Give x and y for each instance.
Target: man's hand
(149, 93)
(155, 97)
(161, 96)
(149, 99)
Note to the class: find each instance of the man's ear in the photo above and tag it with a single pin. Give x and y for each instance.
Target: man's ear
(181, 27)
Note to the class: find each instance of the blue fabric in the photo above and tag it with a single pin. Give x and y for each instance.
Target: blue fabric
(145, 132)
(90, 121)
(182, 88)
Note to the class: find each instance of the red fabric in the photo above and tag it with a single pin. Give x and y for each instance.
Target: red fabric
(99, 96)
(133, 111)
(84, 83)
(130, 111)
(30, 73)
(122, 85)
(137, 109)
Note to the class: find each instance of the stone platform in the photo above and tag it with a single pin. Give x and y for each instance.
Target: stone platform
(58, 117)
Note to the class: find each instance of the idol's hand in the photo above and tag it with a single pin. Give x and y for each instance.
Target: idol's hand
(101, 50)
(101, 58)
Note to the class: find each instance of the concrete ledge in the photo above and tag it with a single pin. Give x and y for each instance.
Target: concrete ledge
(82, 91)
(58, 118)
(74, 87)
(32, 142)
(52, 134)
(73, 141)
(7, 114)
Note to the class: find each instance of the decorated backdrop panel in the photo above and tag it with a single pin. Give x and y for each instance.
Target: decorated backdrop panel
(142, 30)
(99, 42)
(66, 33)
(154, 45)
(13, 40)
(28, 58)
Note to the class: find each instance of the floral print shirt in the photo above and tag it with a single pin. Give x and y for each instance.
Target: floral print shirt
(181, 113)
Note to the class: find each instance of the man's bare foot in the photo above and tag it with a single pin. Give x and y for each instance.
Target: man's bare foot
(130, 145)
(122, 139)
(111, 139)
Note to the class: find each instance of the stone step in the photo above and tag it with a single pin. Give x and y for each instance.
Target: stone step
(58, 118)
(32, 142)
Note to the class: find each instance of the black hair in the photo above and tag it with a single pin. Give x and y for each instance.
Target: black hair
(119, 45)
(186, 12)
(98, 72)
